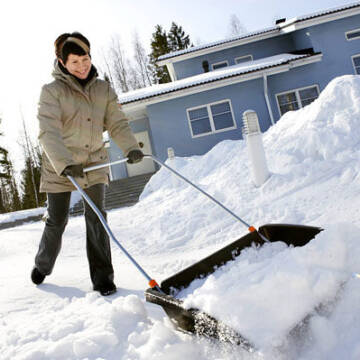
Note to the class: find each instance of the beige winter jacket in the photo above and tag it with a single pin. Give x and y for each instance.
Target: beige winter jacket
(72, 120)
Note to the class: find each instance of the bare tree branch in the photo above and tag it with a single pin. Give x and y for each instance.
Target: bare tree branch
(235, 26)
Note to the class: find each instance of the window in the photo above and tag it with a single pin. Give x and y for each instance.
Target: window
(242, 59)
(295, 99)
(356, 62)
(219, 65)
(211, 118)
(353, 35)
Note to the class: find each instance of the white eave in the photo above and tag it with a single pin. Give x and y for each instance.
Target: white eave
(135, 102)
(281, 29)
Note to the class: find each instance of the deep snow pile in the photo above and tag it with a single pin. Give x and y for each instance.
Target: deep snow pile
(298, 279)
(315, 179)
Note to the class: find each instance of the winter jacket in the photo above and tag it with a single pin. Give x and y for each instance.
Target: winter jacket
(72, 119)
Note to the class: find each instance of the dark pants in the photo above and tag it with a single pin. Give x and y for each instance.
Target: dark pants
(97, 240)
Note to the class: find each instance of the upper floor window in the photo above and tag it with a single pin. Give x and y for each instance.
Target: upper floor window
(356, 62)
(242, 59)
(211, 118)
(296, 99)
(220, 65)
(353, 34)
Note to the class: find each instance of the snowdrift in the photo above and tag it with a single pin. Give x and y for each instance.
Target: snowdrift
(313, 156)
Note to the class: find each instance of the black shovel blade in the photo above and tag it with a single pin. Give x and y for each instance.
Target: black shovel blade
(296, 235)
(195, 321)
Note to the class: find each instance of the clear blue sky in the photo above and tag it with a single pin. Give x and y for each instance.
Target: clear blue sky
(29, 28)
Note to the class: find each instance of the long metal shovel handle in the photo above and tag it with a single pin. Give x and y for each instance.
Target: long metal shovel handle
(151, 282)
(249, 227)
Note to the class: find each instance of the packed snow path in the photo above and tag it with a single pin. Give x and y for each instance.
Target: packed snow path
(313, 156)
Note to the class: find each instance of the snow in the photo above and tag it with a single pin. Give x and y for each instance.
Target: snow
(320, 13)
(313, 158)
(24, 214)
(19, 215)
(302, 279)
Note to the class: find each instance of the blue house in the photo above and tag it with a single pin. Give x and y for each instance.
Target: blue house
(271, 71)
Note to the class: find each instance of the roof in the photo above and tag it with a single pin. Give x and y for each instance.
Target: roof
(219, 42)
(243, 69)
(257, 35)
(325, 12)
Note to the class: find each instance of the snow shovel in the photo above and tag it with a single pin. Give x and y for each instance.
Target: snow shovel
(152, 283)
(194, 320)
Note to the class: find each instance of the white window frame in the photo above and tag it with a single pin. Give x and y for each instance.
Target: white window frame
(297, 95)
(350, 32)
(212, 124)
(218, 63)
(352, 58)
(242, 57)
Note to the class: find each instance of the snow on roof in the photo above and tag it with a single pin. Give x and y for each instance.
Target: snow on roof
(325, 12)
(275, 29)
(220, 74)
(219, 42)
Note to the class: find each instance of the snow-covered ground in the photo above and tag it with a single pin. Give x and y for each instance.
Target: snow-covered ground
(313, 157)
(24, 214)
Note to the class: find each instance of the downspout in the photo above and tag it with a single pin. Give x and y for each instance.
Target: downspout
(266, 94)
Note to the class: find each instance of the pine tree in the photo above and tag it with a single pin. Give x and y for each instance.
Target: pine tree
(163, 43)
(16, 201)
(2, 205)
(9, 194)
(28, 198)
(3, 156)
(159, 46)
(4, 179)
(177, 38)
(3, 161)
(30, 174)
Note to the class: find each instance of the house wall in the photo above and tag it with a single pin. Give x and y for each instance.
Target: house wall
(329, 39)
(169, 122)
(259, 49)
(170, 127)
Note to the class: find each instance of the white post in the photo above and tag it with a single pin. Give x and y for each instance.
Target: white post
(252, 132)
(171, 153)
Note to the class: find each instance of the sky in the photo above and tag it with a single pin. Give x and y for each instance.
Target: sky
(28, 30)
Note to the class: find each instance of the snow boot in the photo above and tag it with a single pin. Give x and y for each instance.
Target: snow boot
(36, 276)
(106, 289)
